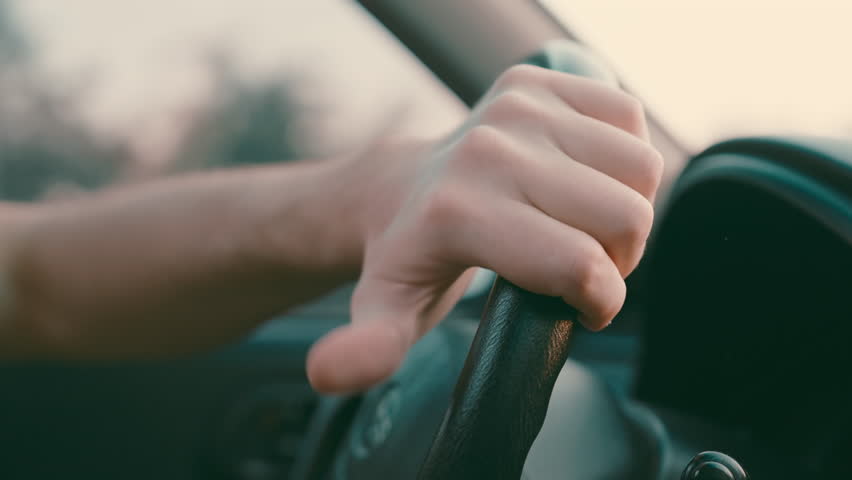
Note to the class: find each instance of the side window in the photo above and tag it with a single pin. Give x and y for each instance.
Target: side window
(100, 91)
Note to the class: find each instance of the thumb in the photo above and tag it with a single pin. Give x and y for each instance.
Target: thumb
(361, 354)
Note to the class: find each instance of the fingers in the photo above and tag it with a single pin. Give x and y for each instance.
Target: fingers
(548, 183)
(618, 217)
(594, 139)
(587, 96)
(599, 178)
(542, 255)
(611, 151)
(508, 164)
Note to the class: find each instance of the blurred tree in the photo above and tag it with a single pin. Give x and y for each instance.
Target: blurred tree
(41, 147)
(45, 148)
(247, 123)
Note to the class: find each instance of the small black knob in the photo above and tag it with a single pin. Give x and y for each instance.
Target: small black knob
(713, 466)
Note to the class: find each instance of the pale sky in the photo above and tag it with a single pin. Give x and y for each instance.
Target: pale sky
(716, 68)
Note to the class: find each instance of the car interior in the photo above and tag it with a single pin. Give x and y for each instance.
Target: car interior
(728, 360)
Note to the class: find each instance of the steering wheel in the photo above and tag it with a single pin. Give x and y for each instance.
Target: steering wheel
(500, 400)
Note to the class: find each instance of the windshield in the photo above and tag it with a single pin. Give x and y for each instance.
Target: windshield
(714, 69)
(98, 91)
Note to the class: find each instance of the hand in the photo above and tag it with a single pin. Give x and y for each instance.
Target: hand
(549, 183)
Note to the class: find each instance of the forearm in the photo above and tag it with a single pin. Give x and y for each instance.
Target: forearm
(176, 265)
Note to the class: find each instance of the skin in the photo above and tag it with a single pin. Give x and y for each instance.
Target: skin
(550, 183)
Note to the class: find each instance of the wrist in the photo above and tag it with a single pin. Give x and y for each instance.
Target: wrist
(383, 177)
(343, 202)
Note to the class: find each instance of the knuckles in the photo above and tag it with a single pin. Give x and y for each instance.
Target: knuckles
(478, 142)
(521, 75)
(512, 106)
(445, 207)
(484, 148)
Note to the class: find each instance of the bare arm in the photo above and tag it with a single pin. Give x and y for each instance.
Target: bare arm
(176, 265)
(549, 183)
